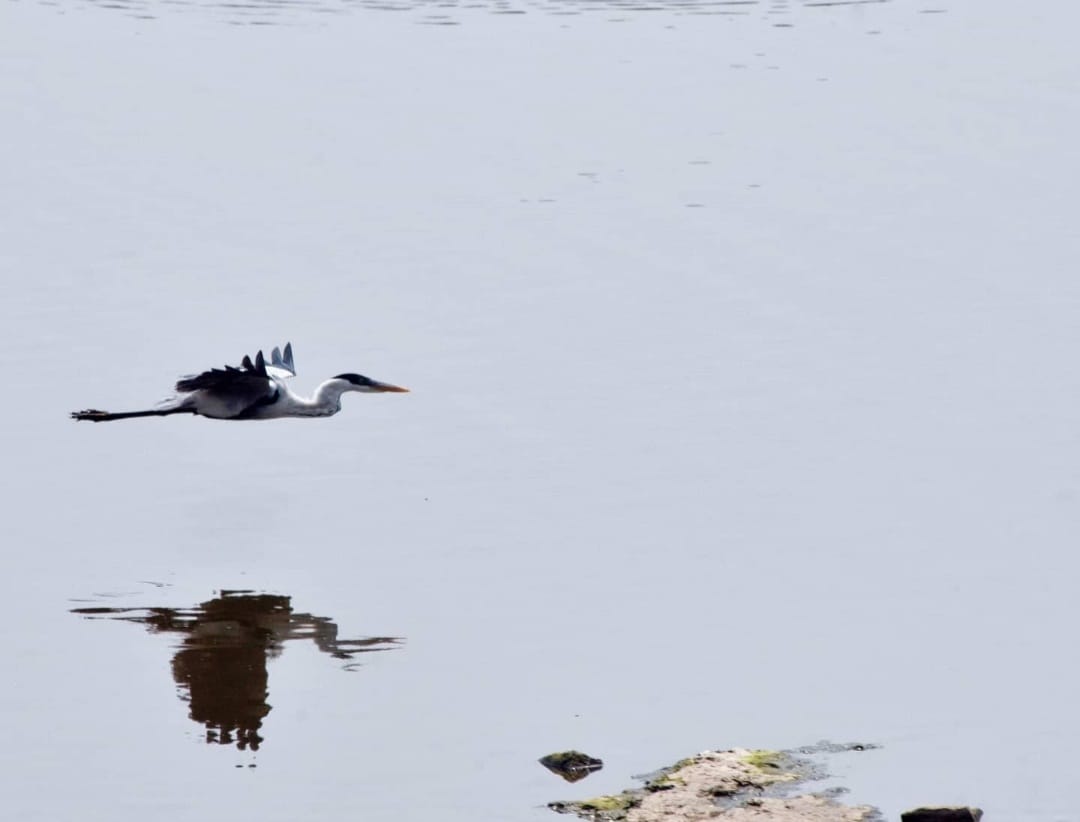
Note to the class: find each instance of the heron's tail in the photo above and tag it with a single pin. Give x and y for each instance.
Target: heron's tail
(94, 415)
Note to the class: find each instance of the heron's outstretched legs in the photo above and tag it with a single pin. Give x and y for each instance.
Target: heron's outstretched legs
(94, 415)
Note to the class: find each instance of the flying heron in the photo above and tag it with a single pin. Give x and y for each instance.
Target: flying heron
(254, 391)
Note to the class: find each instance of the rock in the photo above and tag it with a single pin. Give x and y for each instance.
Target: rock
(571, 765)
(738, 785)
(942, 814)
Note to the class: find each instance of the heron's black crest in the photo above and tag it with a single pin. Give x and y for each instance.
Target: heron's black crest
(355, 379)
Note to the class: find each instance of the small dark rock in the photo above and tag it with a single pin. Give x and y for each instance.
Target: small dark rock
(942, 814)
(571, 765)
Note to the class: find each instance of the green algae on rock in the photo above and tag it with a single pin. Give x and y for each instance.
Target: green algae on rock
(601, 807)
(770, 761)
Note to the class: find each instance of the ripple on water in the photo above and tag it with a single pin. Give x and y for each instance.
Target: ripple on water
(454, 12)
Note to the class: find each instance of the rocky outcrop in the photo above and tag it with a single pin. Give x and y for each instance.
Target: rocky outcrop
(741, 784)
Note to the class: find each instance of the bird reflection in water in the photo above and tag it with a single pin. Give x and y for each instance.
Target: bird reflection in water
(220, 663)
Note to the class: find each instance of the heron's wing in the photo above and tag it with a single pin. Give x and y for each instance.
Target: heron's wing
(229, 391)
(282, 367)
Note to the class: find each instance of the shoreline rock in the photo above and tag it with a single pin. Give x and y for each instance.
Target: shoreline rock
(740, 784)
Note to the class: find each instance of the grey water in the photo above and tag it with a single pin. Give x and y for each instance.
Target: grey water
(740, 340)
(452, 12)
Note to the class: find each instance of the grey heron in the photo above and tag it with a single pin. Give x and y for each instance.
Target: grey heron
(254, 391)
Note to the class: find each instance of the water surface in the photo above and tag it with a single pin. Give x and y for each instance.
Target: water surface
(742, 412)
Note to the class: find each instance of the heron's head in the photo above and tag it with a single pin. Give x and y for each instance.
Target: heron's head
(356, 382)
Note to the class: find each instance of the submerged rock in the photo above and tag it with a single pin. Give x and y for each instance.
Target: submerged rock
(571, 765)
(740, 784)
(943, 814)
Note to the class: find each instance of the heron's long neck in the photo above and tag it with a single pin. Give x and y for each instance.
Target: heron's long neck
(327, 399)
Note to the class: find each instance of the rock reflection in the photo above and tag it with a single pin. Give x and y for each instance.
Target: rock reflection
(220, 661)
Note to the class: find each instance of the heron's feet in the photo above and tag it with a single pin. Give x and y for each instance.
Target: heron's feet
(91, 414)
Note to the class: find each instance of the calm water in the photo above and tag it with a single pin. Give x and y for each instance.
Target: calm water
(741, 340)
(780, 13)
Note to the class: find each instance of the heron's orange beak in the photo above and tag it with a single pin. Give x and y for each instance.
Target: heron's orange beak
(385, 386)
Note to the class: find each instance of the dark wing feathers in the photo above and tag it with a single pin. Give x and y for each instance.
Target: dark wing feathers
(258, 368)
(230, 392)
(247, 380)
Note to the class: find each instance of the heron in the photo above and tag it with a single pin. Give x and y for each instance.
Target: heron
(254, 391)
